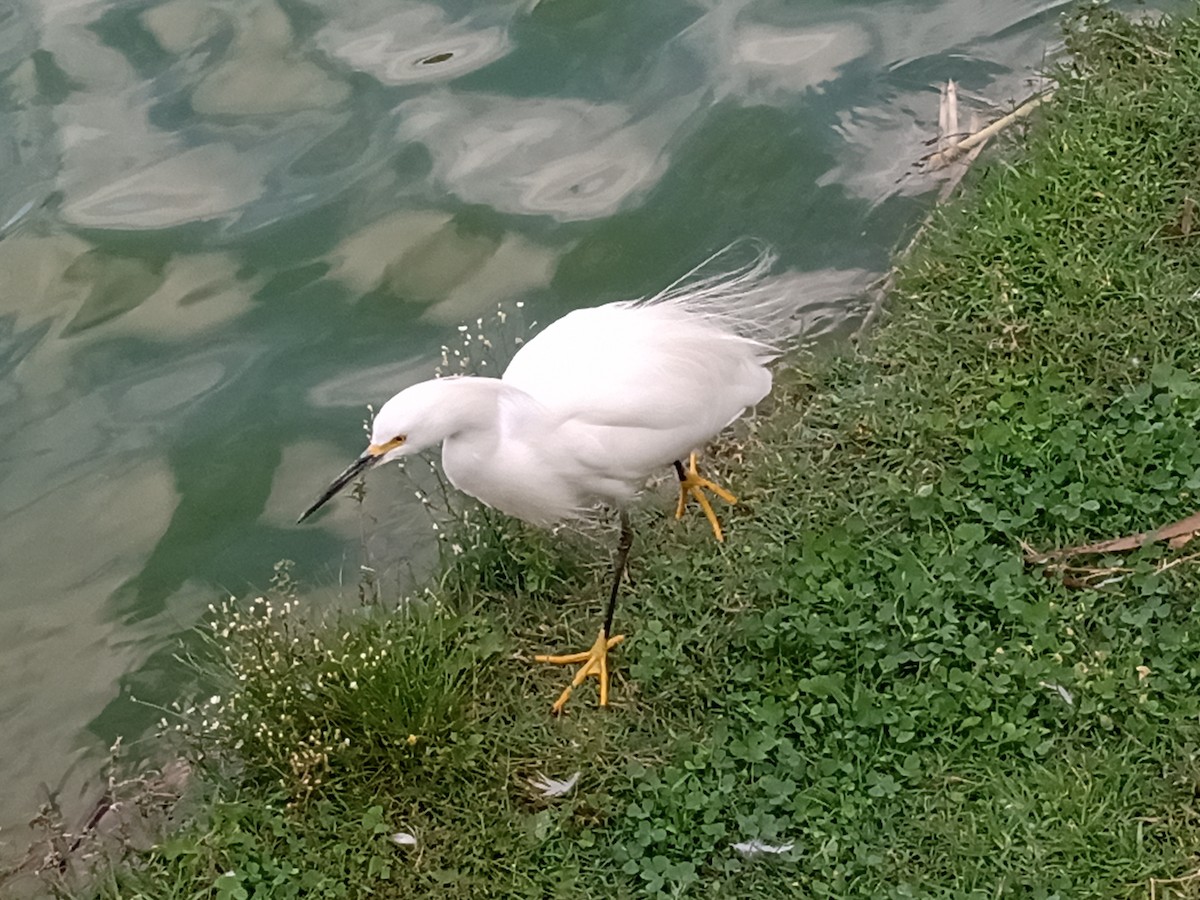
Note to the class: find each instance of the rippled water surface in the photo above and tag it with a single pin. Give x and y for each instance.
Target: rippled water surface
(227, 226)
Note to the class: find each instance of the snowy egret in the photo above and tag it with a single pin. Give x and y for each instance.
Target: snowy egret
(593, 406)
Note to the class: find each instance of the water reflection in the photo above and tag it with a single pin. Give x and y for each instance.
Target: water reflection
(103, 132)
(183, 26)
(34, 270)
(195, 129)
(454, 267)
(60, 652)
(91, 299)
(262, 72)
(418, 43)
(795, 59)
(765, 53)
(562, 157)
(195, 185)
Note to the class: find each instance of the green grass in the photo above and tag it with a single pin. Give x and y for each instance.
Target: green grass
(867, 669)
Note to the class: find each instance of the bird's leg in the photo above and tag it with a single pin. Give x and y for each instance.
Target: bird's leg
(690, 482)
(595, 661)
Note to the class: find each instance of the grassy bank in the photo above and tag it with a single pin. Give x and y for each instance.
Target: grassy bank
(867, 673)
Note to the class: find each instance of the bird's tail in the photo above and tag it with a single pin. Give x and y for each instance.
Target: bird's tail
(734, 290)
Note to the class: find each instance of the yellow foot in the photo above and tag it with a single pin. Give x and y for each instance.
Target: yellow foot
(595, 662)
(693, 484)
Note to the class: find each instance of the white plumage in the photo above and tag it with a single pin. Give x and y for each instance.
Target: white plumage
(599, 400)
(594, 405)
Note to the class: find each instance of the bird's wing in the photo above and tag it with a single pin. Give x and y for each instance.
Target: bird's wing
(649, 381)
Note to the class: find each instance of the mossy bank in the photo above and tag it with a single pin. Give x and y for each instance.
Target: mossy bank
(867, 677)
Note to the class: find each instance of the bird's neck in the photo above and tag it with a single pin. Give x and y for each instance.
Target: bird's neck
(478, 414)
(474, 405)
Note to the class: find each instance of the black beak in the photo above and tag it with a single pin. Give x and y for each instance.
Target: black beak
(360, 465)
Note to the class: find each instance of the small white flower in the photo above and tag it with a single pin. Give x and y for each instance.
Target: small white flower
(404, 839)
(214, 699)
(552, 787)
(756, 847)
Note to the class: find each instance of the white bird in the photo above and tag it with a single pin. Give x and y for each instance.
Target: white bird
(594, 405)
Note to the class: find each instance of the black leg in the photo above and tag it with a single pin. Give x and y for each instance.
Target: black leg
(679, 471)
(623, 547)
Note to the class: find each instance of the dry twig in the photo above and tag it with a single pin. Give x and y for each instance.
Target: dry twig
(1177, 535)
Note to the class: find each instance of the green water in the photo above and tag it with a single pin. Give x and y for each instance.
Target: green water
(231, 225)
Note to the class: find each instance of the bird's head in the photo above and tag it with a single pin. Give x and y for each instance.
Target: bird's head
(415, 419)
